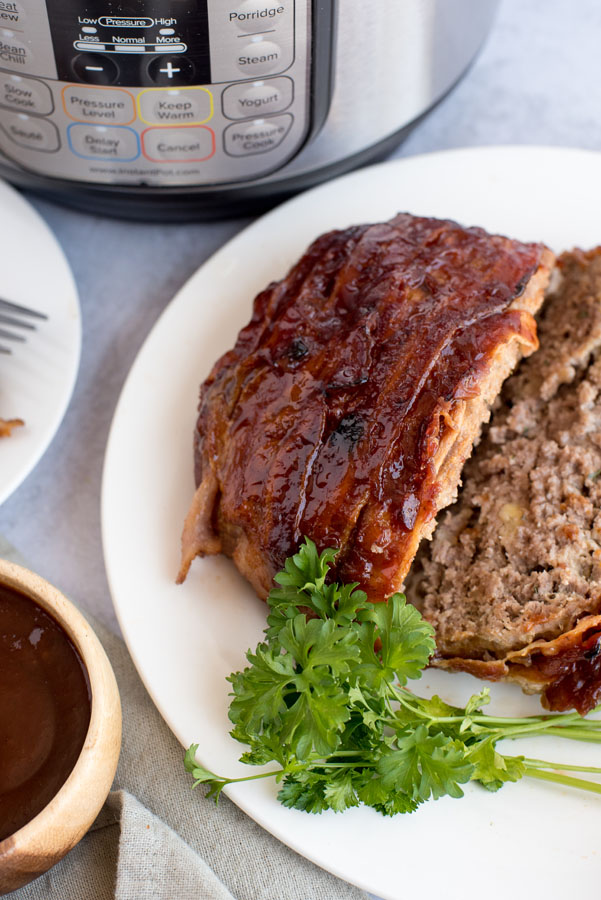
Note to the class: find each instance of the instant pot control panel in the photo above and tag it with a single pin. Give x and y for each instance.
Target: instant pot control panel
(154, 92)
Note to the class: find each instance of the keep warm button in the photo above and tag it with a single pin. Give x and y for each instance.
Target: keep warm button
(258, 136)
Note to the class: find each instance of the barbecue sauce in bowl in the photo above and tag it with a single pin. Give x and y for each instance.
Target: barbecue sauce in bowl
(45, 707)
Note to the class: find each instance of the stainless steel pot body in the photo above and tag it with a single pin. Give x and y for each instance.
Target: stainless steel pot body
(202, 106)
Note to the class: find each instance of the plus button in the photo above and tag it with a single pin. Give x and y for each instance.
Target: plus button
(170, 70)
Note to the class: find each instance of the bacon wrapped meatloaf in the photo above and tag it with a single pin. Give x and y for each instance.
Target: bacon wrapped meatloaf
(350, 402)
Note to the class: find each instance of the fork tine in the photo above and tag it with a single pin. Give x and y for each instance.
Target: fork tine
(10, 336)
(23, 310)
(18, 323)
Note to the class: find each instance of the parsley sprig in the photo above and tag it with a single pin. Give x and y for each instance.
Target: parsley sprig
(325, 698)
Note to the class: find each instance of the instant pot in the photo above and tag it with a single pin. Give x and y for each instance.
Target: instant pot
(182, 109)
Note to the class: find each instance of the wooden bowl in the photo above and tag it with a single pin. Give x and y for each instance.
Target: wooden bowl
(44, 840)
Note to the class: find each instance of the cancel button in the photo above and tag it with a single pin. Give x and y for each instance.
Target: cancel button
(258, 136)
(185, 144)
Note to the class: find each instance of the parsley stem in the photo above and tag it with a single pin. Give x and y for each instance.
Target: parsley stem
(543, 764)
(563, 779)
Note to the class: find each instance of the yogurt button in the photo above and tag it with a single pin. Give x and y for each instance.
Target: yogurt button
(259, 58)
(243, 101)
(25, 94)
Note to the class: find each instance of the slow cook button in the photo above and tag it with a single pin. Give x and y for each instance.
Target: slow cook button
(25, 94)
(171, 106)
(12, 51)
(185, 144)
(34, 134)
(102, 142)
(98, 104)
(258, 136)
(260, 58)
(241, 101)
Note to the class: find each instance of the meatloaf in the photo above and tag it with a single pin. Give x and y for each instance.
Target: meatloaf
(512, 578)
(350, 402)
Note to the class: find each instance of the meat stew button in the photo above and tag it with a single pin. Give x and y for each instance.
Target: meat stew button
(259, 136)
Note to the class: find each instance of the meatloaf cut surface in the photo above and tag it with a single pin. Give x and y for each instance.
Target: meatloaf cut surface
(350, 402)
(512, 578)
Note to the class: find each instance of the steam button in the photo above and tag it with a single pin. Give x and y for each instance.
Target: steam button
(260, 58)
(95, 69)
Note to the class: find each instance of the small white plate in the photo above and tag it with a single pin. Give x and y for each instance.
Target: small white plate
(528, 839)
(37, 380)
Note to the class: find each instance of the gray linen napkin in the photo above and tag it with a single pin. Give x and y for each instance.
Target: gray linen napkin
(155, 839)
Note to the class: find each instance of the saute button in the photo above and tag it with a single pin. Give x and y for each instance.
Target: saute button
(25, 94)
(95, 69)
(186, 144)
(241, 101)
(258, 136)
(102, 142)
(12, 51)
(34, 134)
(95, 104)
(166, 106)
(260, 58)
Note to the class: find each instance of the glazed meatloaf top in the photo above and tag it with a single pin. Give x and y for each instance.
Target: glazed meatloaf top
(350, 402)
(512, 578)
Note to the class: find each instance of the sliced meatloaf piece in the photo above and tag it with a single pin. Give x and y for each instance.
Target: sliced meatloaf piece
(350, 402)
(512, 578)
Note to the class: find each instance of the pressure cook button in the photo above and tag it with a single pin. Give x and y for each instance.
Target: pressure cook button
(171, 70)
(256, 16)
(12, 51)
(33, 134)
(185, 144)
(241, 101)
(112, 106)
(95, 69)
(102, 142)
(25, 94)
(259, 58)
(170, 106)
(258, 136)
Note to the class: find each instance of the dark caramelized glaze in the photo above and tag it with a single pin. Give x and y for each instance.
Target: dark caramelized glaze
(326, 416)
(44, 709)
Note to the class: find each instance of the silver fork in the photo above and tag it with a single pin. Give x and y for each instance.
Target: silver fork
(16, 316)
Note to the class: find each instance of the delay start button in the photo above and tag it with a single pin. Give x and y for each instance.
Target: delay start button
(258, 136)
(101, 142)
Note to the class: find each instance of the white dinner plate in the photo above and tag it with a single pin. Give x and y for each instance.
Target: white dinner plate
(37, 379)
(527, 840)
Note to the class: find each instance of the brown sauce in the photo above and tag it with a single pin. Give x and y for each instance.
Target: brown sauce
(45, 707)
